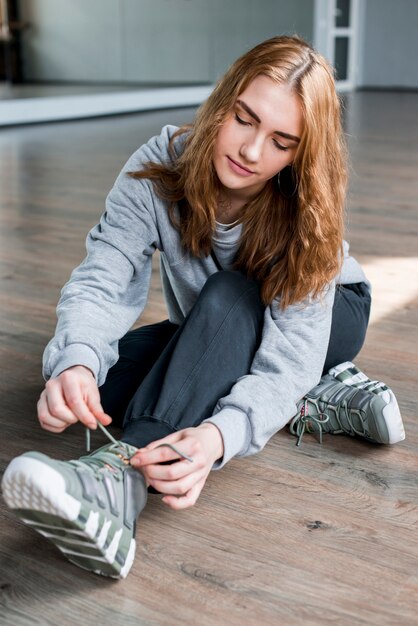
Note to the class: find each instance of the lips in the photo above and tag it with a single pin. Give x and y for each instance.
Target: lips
(238, 168)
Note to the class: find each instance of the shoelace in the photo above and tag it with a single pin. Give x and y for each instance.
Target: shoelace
(347, 414)
(301, 423)
(119, 444)
(99, 465)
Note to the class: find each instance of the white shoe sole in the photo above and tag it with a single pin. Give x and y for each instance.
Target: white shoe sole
(392, 415)
(37, 493)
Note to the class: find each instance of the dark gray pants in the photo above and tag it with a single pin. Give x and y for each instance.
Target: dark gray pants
(170, 377)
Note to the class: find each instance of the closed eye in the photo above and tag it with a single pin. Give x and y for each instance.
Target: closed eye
(244, 123)
(279, 146)
(241, 121)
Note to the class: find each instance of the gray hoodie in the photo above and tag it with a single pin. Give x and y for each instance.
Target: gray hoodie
(107, 293)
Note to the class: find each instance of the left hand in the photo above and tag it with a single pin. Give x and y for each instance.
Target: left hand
(182, 481)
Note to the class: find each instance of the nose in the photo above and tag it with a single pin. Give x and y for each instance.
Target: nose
(252, 148)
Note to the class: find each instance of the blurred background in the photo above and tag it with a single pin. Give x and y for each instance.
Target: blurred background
(104, 56)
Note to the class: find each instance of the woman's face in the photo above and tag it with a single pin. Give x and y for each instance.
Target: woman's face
(258, 138)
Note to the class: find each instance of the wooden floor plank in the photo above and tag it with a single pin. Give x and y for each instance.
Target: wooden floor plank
(312, 535)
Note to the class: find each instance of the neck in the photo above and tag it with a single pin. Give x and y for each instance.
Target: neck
(229, 209)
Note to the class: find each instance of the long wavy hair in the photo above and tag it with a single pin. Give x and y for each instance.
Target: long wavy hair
(291, 244)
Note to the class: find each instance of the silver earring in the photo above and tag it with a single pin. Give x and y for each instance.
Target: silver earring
(287, 184)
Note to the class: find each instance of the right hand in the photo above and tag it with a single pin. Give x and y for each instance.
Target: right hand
(71, 397)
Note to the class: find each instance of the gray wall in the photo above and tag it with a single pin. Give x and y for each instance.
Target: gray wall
(238, 25)
(66, 41)
(150, 41)
(388, 50)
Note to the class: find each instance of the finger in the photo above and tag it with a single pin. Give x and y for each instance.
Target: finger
(176, 487)
(53, 429)
(78, 406)
(150, 457)
(46, 420)
(167, 448)
(187, 500)
(56, 404)
(93, 403)
(171, 472)
(75, 391)
(161, 454)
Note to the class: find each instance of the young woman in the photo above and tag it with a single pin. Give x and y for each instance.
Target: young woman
(246, 207)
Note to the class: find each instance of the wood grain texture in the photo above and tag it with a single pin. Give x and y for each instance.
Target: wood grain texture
(317, 535)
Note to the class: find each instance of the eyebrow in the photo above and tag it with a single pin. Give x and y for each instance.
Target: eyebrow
(257, 119)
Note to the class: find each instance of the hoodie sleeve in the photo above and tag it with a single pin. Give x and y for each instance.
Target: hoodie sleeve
(108, 291)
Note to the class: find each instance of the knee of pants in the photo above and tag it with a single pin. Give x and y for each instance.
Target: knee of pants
(224, 288)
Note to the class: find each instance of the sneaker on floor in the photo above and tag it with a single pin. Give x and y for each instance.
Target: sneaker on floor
(339, 407)
(86, 507)
(351, 375)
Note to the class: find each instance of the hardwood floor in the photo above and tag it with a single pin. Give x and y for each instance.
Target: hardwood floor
(317, 535)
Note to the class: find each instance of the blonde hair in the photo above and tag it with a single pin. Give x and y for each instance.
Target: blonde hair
(291, 245)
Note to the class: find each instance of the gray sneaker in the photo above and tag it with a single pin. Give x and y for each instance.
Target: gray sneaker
(338, 407)
(86, 507)
(351, 375)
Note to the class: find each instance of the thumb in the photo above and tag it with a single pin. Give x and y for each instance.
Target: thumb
(93, 402)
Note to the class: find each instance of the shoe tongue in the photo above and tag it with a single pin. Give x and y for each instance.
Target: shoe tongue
(115, 455)
(125, 449)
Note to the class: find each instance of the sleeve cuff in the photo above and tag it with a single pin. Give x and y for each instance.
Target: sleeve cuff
(236, 433)
(74, 354)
